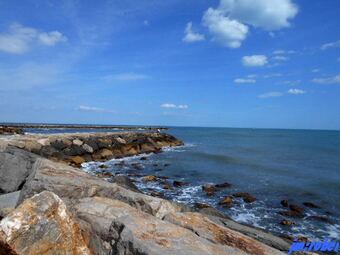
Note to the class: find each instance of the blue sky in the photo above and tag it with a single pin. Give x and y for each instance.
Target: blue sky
(227, 63)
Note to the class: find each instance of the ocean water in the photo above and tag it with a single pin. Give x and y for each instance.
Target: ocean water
(298, 165)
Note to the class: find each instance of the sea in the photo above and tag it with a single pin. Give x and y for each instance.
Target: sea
(271, 164)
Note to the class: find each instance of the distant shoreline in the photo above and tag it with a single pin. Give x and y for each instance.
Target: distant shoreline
(80, 126)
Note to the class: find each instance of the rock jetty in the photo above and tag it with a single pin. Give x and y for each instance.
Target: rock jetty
(56, 208)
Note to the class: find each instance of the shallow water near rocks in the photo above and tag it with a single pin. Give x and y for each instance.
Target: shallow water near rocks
(298, 165)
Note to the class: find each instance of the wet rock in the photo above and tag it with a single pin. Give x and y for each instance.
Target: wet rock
(209, 189)
(167, 186)
(292, 214)
(156, 194)
(143, 158)
(223, 185)
(125, 182)
(320, 218)
(227, 201)
(166, 164)
(73, 150)
(178, 184)
(103, 166)
(284, 203)
(149, 178)
(311, 205)
(201, 205)
(137, 166)
(296, 208)
(287, 223)
(43, 225)
(245, 196)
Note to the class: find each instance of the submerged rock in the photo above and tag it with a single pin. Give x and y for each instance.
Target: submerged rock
(245, 196)
(223, 185)
(43, 225)
(320, 218)
(311, 205)
(179, 183)
(284, 203)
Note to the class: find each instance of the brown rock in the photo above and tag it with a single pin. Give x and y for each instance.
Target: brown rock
(143, 158)
(291, 214)
(245, 196)
(43, 225)
(227, 201)
(209, 189)
(149, 178)
(287, 223)
(201, 205)
(320, 218)
(77, 160)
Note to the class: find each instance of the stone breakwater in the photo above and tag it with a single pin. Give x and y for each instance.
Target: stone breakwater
(76, 149)
(55, 208)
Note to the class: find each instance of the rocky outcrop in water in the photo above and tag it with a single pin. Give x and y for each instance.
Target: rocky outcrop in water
(5, 130)
(63, 210)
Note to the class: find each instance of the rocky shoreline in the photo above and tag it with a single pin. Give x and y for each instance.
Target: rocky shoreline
(50, 206)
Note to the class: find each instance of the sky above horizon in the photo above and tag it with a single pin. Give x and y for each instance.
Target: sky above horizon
(223, 63)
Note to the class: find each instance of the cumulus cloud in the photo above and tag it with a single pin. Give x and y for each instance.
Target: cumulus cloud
(125, 77)
(269, 15)
(271, 94)
(327, 80)
(174, 106)
(226, 31)
(242, 81)
(18, 39)
(254, 60)
(191, 36)
(283, 52)
(296, 91)
(330, 45)
(93, 109)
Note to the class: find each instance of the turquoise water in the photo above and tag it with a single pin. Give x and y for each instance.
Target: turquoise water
(298, 165)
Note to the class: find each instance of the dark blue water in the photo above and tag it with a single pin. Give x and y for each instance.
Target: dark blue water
(298, 165)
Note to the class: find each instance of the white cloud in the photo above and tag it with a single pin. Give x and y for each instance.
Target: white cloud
(283, 52)
(296, 91)
(280, 58)
(18, 39)
(330, 45)
(315, 70)
(174, 106)
(267, 14)
(228, 32)
(146, 22)
(271, 75)
(125, 77)
(51, 38)
(191, 36)
(255, 60)
(271, 94)
(328, 80)
(291, 83)
(93, 109)
(242, 81)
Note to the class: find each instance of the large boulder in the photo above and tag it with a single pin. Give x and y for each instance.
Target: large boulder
(42, 225)
(218, 234)
(130, 231)
(15, 167)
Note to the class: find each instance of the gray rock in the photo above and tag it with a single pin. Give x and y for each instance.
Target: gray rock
(9, 200)
(125, 182)
(15, 167)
